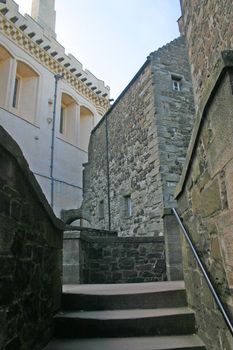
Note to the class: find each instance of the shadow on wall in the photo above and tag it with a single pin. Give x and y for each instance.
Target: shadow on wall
(30, 254)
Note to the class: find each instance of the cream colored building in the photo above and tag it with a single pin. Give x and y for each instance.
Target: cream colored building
(48, 102)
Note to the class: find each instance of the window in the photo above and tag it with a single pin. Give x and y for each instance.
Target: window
(101, 209)
(24, 99)
(176, 83)
(128, 206)
(62, 120)
(86, 125)
(16, 92)
(5, 64)
(68, 118)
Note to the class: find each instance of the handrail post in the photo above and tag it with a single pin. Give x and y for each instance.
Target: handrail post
(200, 264)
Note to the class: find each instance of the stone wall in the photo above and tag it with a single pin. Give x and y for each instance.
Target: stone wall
(137, 152)
(174, 113)
(148, 130)
(208, 28)
(133, 167)
(204, 193)
(205, 203)
(103, 257)
(75, 252)
(30, 254)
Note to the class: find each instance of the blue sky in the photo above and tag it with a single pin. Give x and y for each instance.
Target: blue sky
(113, 38)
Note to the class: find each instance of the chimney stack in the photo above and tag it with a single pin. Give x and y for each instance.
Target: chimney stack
(43, 12)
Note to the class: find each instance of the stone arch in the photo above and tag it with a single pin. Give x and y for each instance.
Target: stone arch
(71, 215)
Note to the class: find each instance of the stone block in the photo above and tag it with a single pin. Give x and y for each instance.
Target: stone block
(229, 184)
(4, 203)
(117, 277)
(129, 274)
(210, 200)
(95, 253)
(203, 180)
(215, 249)
(13, 344)
(126, 263)
(71, 274)
(196, 198)
(7, 290)
(196, 172)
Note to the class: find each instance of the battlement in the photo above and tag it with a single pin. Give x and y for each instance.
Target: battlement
(45, 39)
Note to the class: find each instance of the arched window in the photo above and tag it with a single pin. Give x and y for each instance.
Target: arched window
(25, 91)
(68, 118)
(86, 125)
(5, 62)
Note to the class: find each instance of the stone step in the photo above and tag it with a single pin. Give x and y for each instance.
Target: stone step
(134, 343)
(125, 323)
(124, 296)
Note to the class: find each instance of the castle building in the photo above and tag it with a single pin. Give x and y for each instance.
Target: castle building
(48, 102)
(137, 151)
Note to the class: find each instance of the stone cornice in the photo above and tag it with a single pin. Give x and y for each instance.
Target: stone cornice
(22, 40)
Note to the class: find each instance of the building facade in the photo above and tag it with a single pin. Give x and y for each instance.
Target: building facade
(48, 102)
(137, 151)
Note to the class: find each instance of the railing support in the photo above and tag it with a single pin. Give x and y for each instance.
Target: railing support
(200, 264)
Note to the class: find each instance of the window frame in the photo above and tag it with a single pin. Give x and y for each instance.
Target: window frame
(28, 84)
(16, 91)
(62, 124)
(101, 209)
(176, 82)
(128, 207)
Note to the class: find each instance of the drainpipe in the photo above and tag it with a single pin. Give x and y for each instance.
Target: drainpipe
(57, 78)
(108, 177)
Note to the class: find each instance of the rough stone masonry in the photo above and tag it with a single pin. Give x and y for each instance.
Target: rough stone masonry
(137, 151)
(205, 194)
(30, 254)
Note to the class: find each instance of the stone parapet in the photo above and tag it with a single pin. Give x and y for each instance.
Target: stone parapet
(30, 254)
(105, 258)
(205, 204)
(224, 63)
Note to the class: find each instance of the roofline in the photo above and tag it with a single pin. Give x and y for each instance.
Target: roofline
(123, 93)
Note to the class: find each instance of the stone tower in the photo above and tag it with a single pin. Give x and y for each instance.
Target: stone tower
(43, 11)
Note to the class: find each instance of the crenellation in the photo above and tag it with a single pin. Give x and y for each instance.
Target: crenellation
(32, 49)
(28, 25)
(53, 64)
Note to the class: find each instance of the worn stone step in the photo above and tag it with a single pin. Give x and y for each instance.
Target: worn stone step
(125, 323)
(134, 343)
(124, 296)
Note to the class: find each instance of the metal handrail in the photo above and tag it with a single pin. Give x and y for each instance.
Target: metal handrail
(200, 264)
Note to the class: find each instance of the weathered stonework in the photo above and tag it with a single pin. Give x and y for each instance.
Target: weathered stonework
(137, 150)
(205, 190)
(204, 202)
(208, 29)
(148, 131)
(30, 254)
(102, 257)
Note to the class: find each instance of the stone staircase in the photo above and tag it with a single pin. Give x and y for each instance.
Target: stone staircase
(140, 316)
